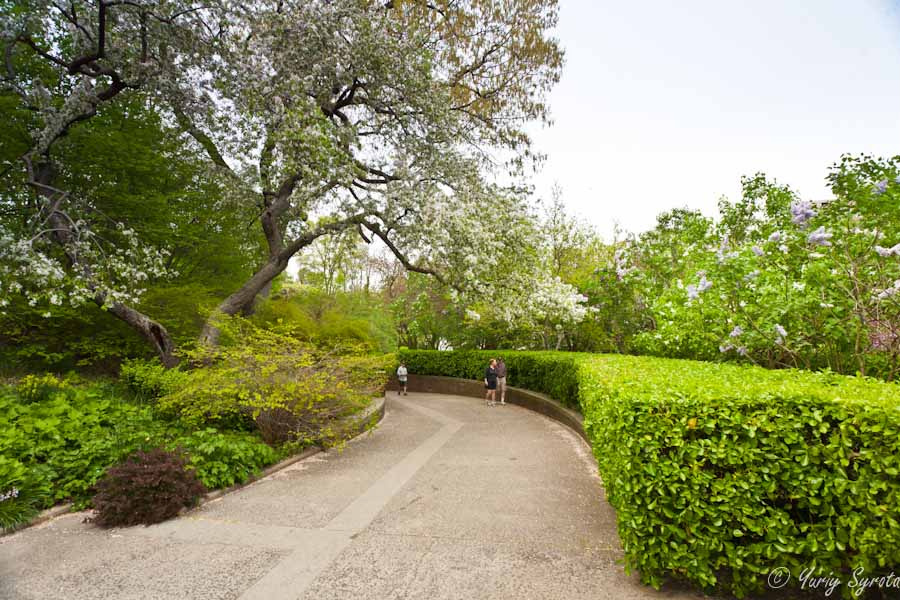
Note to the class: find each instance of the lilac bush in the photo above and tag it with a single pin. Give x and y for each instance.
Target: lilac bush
(798, 282)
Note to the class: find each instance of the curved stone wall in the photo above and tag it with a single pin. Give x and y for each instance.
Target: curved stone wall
(539, 403)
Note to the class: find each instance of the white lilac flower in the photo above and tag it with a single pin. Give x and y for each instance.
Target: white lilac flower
(801, 212)
(742, 351)
(9, 494)
(781, 331)
(784, 249)
(736, 332)
(723, 348)
(819, 237)
(757, 250)
(884, 251)
(775, 237)
(751, 275)
(799, 286)
(881, 187)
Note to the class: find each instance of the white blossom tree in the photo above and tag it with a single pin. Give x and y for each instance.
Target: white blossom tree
(372, 116)
(63, 61)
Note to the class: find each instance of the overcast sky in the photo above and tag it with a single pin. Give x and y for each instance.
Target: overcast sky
(667, 103)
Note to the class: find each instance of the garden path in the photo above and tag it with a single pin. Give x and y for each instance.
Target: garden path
(445, 499)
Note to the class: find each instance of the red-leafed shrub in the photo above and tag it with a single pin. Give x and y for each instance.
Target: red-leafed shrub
(146, 488)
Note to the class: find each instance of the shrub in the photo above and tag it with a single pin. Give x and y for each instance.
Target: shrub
(22, 493)
(222, 459)
(73, 434)
(149, 379)
(289, 391)
(721, 473)
(148, 487)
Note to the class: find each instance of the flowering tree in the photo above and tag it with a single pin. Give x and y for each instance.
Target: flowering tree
(780, 280)
(375, 117)
(64, 63)
(322, 117)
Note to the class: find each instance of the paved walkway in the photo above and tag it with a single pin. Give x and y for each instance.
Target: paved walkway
(446, 499)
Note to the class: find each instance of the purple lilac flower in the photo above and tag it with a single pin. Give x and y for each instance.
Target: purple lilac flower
(692, 292)
(819, 237)
(751, 275)
(742, 351)
(884, 251)
(736, 332)
(723, 348)
(775, 237)
(704, 284)
(801, 212)
(881, 187)
(9, 495)
(897, 180)
(781, 331)
(757, 250)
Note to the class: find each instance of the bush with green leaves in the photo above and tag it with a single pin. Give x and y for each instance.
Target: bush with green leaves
(287, 390)
(720, 473)
(23, 493)
(222, 458)
(149, 378)
(73, 432)
(147, 487)
(66, 434)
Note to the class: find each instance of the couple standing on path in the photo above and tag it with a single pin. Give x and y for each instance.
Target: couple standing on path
(494, 379)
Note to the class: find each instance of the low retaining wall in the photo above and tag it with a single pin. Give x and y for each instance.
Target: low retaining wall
(539, 403)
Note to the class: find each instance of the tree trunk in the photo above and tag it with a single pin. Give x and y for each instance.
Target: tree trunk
(236, 302)
(263, 277)
(155, 334)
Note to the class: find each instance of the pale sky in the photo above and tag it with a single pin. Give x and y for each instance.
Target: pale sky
(666, 104)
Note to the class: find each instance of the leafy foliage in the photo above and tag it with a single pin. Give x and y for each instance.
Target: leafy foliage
(287, 390)
(777, 280)
(146, 488)
(222, 459)
(720, 473)
(22, 493)
(67, 432)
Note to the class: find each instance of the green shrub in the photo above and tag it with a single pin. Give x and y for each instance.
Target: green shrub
(721, 473)
(22, 493)
(289, 391)
(149, 379)
(73, 434)
(146, 488)
(68, 435)
(222, 459)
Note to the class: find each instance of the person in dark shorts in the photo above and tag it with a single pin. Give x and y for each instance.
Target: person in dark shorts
(501, 379)
(401, 379)
(490, 383)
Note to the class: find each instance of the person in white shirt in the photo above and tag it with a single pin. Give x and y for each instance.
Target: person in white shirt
(401, 377)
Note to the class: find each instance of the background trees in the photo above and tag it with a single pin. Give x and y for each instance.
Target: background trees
(153, 148)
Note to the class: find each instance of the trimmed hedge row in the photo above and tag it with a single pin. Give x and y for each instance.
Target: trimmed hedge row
(551, 373)
(721, 473)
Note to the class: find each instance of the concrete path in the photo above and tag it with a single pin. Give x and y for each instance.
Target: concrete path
(446, 499)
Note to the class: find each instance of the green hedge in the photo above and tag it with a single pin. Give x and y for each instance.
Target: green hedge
(720, 474)
(551, 373)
